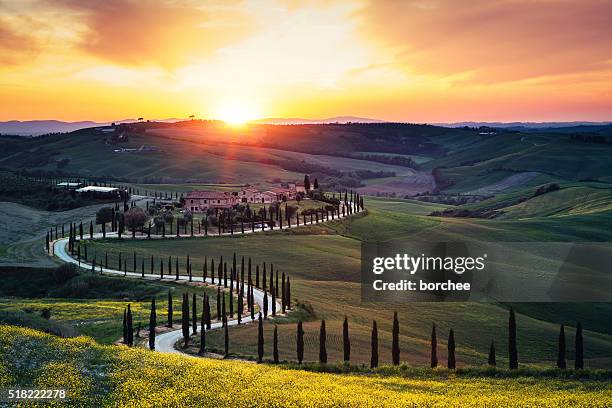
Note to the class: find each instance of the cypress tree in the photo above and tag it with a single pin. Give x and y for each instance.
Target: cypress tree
(260, 340)
(152, 324)
(195, 314)
(223, 309)
(257, 275)
(176, 265)
(170, 309)
(161, 268)
(579, 361)
(322, 343)
(125, 335)
(300, 342)
(451, 350)
(374, 354)
(288, 295)
(226, 339)
(434, 347)
(561, 350)
(346, 342)
(263, 281)
(212, 270)
(203, 328)
(142, 268)
(283, 295)
(512, 349)
(395, 349)
(219, 303)
(231, 303)
(185, 320)
(272, 292)
(275, 345)
(252, 307)
(492, 360)
(130, 330)
(205, 269)
(265, 304)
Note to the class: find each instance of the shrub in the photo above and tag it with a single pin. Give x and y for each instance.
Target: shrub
(65, 272)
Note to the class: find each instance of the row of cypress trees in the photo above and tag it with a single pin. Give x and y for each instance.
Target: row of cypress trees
(395, 348)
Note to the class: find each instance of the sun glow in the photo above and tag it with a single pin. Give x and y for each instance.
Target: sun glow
(236, 113)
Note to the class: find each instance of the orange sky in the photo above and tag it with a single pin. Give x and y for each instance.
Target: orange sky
(416, 61)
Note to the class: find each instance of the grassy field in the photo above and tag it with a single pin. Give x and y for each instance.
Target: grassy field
(324, 263)
(87, 304)
(103, 376)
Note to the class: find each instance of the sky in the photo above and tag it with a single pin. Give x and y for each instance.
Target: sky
(410, 61)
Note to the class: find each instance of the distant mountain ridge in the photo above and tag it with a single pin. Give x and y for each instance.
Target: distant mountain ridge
(41, 127)
(524, 125)
(300, 121)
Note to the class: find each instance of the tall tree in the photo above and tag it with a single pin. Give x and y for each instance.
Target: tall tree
(579, 361)
(170, 309)
(451, 350)
(265, 304)
(346, 341)
(561, 350)
(306, 183)
(275, 345)
(374, 353)
(288, 295)
(434, 347)
(152, 325)
(300, 342)
(130, 330)
(260, 340)
(322, 343)
(492, 360)
(395, 349)
(194, 322)
(185, 320)
(512, 349)
(226, 338)
(203, 328)
(125, 335)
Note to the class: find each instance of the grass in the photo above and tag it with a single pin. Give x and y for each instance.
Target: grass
(115, 375)
(86, 304)
(324, 267)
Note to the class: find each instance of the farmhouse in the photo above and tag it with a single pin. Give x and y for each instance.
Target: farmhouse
(199, 201)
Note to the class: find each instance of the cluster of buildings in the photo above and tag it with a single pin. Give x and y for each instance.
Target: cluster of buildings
(200, 201)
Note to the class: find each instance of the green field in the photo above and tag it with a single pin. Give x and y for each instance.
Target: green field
(323, 262)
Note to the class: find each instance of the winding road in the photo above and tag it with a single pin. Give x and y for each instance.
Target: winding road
(165, 342)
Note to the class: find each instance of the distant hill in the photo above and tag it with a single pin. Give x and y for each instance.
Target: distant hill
(524, 125)
(41, 127)
(299, 121)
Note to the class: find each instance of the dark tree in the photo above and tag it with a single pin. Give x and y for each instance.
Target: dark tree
(300, 342)
(579, 361)
(395, 349)
(288, 295)
(194, 322)
(322, 344)
(307, 183)
(130, 330)
(185, 320)
(226, 338)
(346, 341)
(492, 359)
(316, 184)
(203, 328)
(561, 351)
(260, 340)
(434, 347)
(275, 345)
(125, 335)
(512, 349)
(219, 303)
(265, 304)
(152, 324)
(451, 350)
(374, 355)
(169, 309)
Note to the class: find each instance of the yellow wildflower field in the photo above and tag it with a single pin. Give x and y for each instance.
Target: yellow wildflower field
(97, 375)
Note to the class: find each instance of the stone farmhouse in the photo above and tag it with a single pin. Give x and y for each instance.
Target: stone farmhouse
(200, 201)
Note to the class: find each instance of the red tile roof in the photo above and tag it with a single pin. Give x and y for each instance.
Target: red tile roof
(208, 195)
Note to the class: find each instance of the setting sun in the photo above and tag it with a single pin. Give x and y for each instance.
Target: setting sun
(236, 113)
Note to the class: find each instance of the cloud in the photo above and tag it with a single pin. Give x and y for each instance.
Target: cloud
(16, 46)
(495, 41)
(168, 34)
